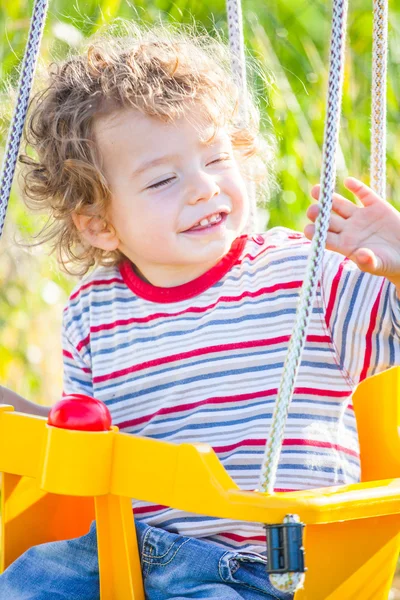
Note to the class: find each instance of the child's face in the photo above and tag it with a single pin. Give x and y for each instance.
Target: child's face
(177, 202)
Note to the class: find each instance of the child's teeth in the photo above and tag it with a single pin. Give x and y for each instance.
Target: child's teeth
(210, 220)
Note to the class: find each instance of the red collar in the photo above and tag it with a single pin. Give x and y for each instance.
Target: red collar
(186, 290)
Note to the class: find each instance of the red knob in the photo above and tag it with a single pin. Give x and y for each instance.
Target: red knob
(81, 413)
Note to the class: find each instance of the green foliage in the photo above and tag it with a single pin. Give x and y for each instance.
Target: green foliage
(289, 38)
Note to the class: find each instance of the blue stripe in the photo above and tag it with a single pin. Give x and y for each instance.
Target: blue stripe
(247, 466)
(97, 289)
(167, 334)
(350, 429)
(319, 349)
(319, 401)
(251, 264)
(392, 353)
(320, 365)
(312, 452)
(313, 468)
(378, 334)
(81, 382)
(246, 304)
(206, 409)
(172, 320)
(350, 309)
(242, 319)
(189, 380)
(260, 404)
(186, 364)
(186, 519)
(178, 366)
(113, 302)
(395, 312)
(200, 410)
(204, 426)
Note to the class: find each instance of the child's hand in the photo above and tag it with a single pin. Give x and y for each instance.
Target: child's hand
(369, 235)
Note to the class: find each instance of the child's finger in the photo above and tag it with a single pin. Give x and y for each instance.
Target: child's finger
(367, 260)
(341, 205)
(332, 239)
(309, 231)
(336, 222)
(362, 191)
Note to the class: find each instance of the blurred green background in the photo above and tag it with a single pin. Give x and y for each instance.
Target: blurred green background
(290, 40)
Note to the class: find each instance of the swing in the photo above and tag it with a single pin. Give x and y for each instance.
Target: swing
(352, 533)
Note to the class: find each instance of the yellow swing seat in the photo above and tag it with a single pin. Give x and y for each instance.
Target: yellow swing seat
(56, 482)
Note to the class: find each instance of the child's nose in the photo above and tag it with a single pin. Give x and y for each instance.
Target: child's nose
(203, 187)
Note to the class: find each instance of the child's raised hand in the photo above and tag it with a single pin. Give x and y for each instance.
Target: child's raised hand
(369, 235)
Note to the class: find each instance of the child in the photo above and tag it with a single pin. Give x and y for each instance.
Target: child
(182, 327)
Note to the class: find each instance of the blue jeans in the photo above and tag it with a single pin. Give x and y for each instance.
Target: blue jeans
(174, 568)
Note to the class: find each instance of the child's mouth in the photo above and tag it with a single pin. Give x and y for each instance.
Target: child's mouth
(211, 222)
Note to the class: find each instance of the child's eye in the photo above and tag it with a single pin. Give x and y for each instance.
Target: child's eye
(223, 158)
(161, 183)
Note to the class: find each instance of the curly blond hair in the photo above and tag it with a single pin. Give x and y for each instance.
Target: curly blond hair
(159, 72)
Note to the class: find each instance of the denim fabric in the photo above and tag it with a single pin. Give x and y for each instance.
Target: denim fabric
(174, 568)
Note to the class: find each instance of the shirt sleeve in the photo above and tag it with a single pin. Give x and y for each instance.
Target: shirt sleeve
(362, 313)
(77, 378)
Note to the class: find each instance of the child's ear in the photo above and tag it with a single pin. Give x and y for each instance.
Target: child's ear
(96, 231)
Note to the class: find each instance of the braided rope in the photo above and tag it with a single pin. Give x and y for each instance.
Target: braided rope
(379, 72)
(21, 107)
(290, 582)
(307, 294)
(238, 62)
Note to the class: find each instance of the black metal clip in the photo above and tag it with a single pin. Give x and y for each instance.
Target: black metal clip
(285, 550)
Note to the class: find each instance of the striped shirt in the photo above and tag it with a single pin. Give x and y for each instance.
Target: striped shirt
(201, 362)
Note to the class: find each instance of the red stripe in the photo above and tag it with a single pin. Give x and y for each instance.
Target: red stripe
(226, 400)
(70, 357)
(197, 309)
(241, 538)
(287, 442)
(190, 354)
(201, 352)
(368, 338)
(262, 251)
(140, 510)
(96, 282)
(83, 342)
(231, 447)
(320, 339)
(186, 407)
(323, 393)
(333, 294)
(319, 444)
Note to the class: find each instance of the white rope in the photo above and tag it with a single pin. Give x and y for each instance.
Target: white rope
(21, 106)
(238, 62)
(379, 74)
(290, 582)
(311, 278)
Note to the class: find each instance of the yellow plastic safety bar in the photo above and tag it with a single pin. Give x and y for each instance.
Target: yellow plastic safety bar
(57, 481)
